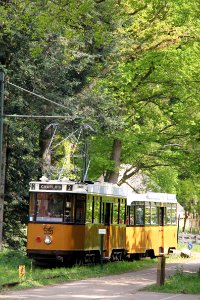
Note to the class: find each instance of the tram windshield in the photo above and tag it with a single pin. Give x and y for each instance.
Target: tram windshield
(57, 207)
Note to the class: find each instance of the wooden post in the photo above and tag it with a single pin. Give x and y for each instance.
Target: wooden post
(22, 272)
(101, 249)
(161, 270)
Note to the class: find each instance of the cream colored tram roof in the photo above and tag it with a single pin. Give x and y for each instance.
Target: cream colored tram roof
(96, 188)
(152, 197)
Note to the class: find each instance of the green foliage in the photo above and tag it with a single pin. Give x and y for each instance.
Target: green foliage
(188, 195)
(99, 151)
(22, 165)
(164, 179)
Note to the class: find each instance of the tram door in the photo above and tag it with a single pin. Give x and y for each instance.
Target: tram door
(107, 222)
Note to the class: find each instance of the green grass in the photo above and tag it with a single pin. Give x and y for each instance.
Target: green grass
(9, 264)
(10, 261)
(179, 283)
(35, 276)
(186, 283)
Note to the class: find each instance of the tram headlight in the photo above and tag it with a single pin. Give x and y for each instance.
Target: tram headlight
(48, 239)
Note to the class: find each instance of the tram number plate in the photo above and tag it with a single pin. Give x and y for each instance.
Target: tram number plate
(69, 187)
(102, 231)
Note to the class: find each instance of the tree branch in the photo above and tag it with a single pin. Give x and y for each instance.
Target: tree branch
(128, 175)
(166, 127)
(137, 10)
(145, 76)
(134, 189)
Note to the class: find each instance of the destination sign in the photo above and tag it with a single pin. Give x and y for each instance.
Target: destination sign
(55, 187)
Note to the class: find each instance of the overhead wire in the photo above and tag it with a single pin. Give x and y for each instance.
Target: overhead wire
(37, 117)
(37, 95)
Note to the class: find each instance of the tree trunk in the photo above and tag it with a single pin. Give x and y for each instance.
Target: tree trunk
(185, 220)
(112, 176)
(2, 183)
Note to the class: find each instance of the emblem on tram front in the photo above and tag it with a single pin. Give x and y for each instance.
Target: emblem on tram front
(48, 229)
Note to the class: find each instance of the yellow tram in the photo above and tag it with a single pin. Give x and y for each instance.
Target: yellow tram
(65, 218)
(151, 224)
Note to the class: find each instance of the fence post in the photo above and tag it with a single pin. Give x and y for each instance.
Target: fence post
(161, 270)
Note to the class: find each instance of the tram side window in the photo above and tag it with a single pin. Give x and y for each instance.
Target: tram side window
(174, 214)
(96, 212)
(102, 208)
(115, 211)
(170, 214)
(168, 217)
(139, 214)
(32, 205)
(127, 215)
(147, 213)
(69, 209)
(154, 213)
(131, 221)
(89, 210)
(121, 211)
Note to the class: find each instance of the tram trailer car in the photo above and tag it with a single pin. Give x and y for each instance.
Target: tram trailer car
(65, 218)
(151, 228)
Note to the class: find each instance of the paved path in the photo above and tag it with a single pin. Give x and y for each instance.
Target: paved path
(124, 286)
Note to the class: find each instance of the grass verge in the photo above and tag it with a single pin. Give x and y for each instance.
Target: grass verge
(183, 283)
(35, 276)
(180, 283)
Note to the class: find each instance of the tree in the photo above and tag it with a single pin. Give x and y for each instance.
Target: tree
(51, 49)
(153, 108)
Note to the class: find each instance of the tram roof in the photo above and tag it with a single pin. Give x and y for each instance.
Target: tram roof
(96, 188)
(152, 197)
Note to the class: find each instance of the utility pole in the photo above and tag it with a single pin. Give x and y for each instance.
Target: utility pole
(1, 155)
